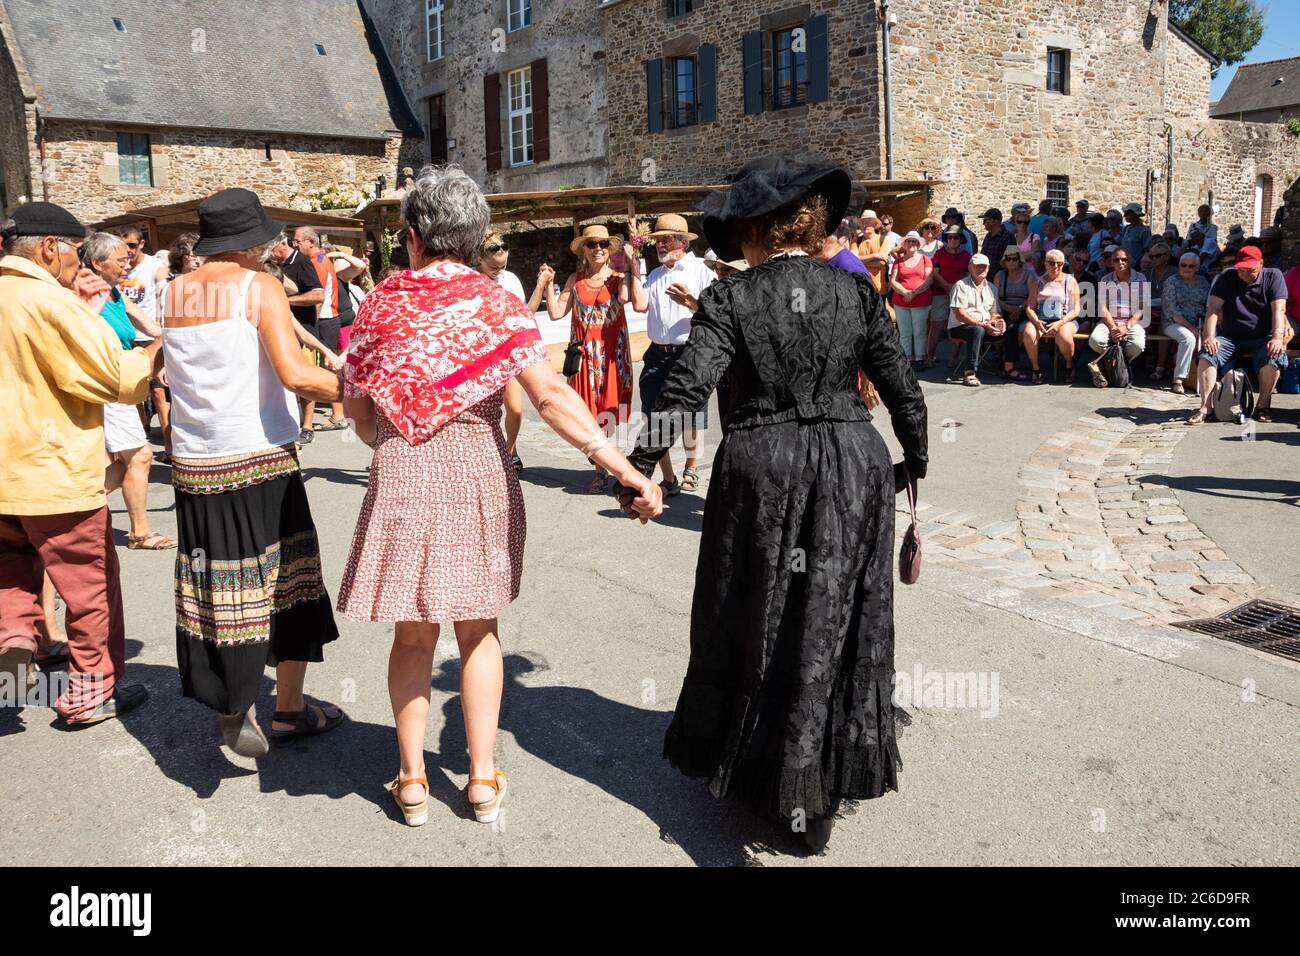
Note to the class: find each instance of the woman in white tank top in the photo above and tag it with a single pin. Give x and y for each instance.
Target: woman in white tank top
(248, 585)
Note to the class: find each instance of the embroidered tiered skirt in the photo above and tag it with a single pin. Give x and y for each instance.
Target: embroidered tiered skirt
(249, 589)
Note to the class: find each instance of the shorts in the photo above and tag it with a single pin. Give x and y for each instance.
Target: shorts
(327, 330)
(1229, 351)
(122, 428)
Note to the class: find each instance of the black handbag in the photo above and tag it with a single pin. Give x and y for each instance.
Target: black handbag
(572, 359)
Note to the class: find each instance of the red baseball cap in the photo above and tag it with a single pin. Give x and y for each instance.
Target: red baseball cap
(1248, 256)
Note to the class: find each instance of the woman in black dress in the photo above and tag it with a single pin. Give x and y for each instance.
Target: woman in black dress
(787, 699)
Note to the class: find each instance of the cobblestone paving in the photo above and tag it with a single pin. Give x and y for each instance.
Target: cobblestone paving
(1092, 531)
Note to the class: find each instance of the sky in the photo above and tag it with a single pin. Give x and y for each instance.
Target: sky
(1281, 39)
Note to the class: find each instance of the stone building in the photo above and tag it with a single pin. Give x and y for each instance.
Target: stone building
(115, 106)
(513, 90)
(1267, 92)
(994, 102)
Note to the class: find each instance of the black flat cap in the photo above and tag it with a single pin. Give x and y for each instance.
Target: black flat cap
(764, 186)
(44, 219)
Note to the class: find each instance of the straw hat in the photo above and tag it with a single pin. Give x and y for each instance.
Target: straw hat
(596, 231)
(717, 265)
(671, 225)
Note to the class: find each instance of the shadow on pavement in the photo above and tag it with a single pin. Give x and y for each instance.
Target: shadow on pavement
(338, 476)
(617, 748)
(1253, 489)
(1147, 416)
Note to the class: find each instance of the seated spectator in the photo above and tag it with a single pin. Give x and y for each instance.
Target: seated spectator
(1136, 235)
(1079, 219)
(1052, 311)
(1173, 240)
(1123, 313)
(1024, 240)
(973, 315)
(1012, 283)
(913, 275)
(1109, 234)
(951, 265)
(1051, 233)
(1270, 246)
(995, 239)
(1245, 319)
(1182, 306)
(1158, 269)
(1039, 220)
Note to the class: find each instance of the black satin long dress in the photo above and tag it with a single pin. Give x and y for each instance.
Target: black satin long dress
(787, 699)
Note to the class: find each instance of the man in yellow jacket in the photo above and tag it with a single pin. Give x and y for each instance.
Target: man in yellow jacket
(60, 363)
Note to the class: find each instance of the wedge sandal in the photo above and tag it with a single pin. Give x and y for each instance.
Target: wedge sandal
(415, 814)
(488, 810)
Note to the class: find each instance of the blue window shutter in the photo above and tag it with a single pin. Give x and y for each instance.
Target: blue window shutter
(752, 50)
(818, 60)
(654, 95)
(707, 80)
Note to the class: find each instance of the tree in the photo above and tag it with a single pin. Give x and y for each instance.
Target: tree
(1227, 28)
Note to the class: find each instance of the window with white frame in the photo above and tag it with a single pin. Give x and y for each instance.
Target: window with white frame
(519, 103)
(433, 28)
(519, 14)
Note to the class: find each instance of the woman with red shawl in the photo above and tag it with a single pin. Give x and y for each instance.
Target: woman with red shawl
(441, 530)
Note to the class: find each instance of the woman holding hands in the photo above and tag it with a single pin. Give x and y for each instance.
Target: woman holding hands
(441, 531)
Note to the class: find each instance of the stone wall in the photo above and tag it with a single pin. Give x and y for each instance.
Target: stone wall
(17, 116)
(970, 105)
(566, 33)
(1236, 154)
(846, 127)
(82, 166)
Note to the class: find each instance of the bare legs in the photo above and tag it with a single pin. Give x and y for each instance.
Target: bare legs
(514, 406)
(129, 471)
(410, 669)
(1065, 344)
(1029, 343)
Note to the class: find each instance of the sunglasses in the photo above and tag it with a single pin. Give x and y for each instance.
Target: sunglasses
(134, 245)
(1011, 258)
(598, 243)
(493, 249)
(1022, 222)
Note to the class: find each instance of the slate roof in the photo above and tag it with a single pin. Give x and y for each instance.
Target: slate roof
(1254, 87)
(244, 65)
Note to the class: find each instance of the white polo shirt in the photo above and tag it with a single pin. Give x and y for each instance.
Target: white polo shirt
(668, 323)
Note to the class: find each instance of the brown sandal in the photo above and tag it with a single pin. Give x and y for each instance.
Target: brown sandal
(487, 811)
(415, 814)
(153, 541)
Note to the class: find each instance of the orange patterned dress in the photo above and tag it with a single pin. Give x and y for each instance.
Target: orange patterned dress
(604, 378)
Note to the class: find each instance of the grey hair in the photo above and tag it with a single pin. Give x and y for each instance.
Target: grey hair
(1189, 255)
(99, 246)
(448, 212)
(309, 232)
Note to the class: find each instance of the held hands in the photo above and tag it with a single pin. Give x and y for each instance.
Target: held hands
(545, 275)
(333, 361)
(639, 497)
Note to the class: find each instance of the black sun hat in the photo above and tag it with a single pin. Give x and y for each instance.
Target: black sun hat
(233, 219)
(765, 185)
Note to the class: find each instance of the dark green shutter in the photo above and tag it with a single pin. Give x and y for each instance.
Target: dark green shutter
(707, 82)
(752, 51)
(654, 95)
(818, 60)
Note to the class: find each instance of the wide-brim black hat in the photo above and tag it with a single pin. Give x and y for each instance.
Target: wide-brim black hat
(233, 219)
(765, 185)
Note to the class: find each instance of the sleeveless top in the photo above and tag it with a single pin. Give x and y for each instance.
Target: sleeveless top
(1014, 292)
(1054, 299)
(226, 397)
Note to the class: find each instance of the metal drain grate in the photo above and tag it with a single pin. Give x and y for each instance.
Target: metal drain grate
(1263, 625)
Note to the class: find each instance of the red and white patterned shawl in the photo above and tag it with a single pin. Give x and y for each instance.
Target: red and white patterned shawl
(427, 345)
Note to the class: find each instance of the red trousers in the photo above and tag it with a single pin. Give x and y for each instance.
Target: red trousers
(78, 553)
